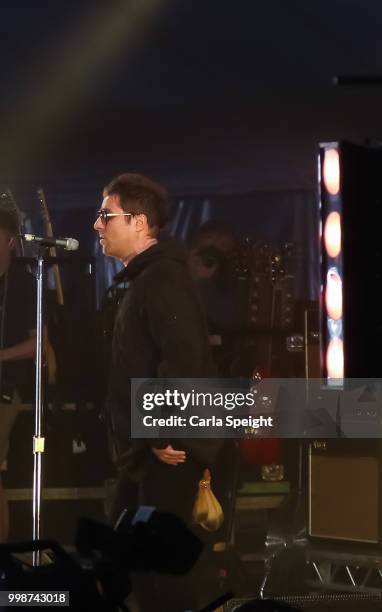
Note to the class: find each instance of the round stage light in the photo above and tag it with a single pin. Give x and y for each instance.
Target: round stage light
(333, 294)
(335, 359)
(332, 234)
(331, 171)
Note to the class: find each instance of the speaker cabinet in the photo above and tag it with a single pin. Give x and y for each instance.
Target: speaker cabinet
(345, 490)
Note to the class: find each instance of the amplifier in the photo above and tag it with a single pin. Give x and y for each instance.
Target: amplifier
(345, 490)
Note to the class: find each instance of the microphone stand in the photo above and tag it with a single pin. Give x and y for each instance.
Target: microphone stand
(38, 439)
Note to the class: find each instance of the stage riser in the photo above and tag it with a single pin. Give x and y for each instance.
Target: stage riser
(311, 603)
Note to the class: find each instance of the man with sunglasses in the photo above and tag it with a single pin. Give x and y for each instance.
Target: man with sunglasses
(159, 331)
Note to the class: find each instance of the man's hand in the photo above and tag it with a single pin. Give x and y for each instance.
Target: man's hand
(169, 455)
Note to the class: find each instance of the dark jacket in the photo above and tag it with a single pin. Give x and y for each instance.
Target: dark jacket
(159, 331)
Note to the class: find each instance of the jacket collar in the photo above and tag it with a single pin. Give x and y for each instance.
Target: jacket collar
(170, 249)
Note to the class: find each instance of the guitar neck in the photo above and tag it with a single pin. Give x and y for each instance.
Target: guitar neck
(52, 250)
(20, 243)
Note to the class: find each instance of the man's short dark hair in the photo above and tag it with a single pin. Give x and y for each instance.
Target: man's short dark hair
(139, 194)
(9, 222)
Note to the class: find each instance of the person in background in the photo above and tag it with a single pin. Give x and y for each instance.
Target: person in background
(17, 342)
(211, 262)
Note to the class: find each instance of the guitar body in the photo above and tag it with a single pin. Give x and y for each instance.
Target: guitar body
(264, 451)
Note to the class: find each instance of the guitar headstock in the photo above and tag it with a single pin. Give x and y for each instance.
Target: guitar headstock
(43, 205)
(45, 212)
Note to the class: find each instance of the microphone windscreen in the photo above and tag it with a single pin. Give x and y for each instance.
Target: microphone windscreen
(72, 244)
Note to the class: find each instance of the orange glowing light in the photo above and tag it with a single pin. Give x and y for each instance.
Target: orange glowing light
(333, 295)
(332, 234)
(331, 171)
(335, 359)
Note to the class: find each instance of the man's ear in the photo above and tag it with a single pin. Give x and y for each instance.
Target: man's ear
(140, 222)
(11, 242)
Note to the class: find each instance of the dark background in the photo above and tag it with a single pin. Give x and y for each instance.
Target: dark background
(207, 96)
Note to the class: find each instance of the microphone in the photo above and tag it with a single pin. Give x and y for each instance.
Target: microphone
(69, 244)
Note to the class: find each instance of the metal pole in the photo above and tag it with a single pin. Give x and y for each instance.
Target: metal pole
(38, 440)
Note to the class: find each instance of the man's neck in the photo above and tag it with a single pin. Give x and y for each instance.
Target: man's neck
(146, 245)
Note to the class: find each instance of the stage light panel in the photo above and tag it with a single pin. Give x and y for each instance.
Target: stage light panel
(333, 294)
(331, 171)
(335, 360)
(332, 234)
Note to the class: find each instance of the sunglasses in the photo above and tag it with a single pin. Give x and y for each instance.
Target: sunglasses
(104, 215)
